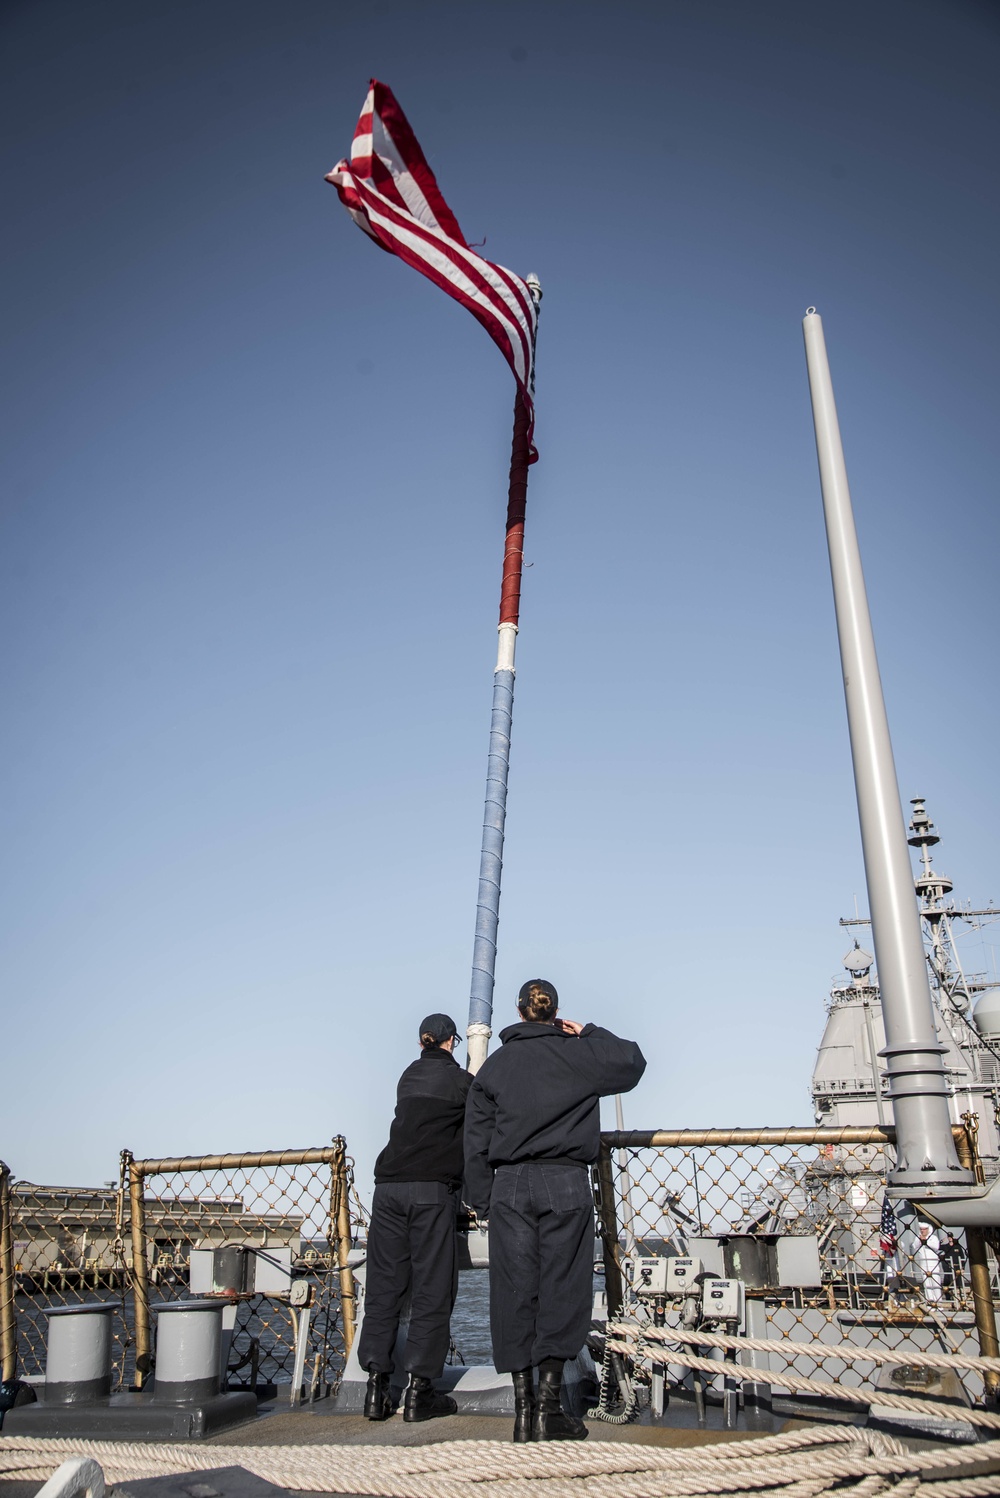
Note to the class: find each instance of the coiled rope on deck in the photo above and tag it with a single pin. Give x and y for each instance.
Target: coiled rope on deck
(798, 1464)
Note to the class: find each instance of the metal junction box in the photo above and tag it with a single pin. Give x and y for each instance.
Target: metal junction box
(682, 1276)
(649, 1276)
(722, 1300)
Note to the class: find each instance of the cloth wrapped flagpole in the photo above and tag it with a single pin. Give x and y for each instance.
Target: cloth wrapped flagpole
(391, 193)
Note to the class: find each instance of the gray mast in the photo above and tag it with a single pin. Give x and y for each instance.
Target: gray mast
(926, 1157)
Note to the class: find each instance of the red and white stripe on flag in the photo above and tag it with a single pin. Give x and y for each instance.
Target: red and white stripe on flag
(390, 192)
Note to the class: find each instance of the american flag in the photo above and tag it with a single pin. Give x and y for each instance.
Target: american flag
(391, 193)
(888, 1228)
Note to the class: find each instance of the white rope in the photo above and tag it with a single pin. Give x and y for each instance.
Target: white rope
(797, 1464)
(493, 1459)
(798, 1383)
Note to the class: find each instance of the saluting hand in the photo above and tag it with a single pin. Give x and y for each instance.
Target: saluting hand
(567, 1026)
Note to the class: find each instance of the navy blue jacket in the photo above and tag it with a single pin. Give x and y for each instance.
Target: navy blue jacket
(425, 1140)
(538, 1098)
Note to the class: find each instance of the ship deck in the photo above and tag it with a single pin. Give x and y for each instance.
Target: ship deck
(277, 1426)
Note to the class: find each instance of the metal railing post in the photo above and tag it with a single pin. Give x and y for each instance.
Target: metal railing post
(8, 1313)
(979, 1267)
(608, 1218)
(140, 1273)
(340, 1233)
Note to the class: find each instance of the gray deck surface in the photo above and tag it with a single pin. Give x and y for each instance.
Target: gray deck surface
(290, 1428)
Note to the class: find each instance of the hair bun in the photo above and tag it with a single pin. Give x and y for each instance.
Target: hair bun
(537, 1000)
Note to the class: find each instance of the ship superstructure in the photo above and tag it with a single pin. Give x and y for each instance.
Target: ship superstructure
(849, 1084)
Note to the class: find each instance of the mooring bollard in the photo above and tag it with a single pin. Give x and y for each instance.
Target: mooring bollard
(188, 1344)
(78, 1356)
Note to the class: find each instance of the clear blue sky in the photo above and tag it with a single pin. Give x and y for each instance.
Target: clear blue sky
(253, 497)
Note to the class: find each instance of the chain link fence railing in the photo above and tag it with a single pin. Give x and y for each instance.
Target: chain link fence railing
(272, 1232)
(269, 1232)
(750, 1203)
(63, 1246)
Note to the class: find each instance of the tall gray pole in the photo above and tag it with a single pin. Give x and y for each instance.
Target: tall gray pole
(926, 1157)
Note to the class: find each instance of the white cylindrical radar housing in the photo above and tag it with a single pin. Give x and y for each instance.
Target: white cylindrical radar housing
(188, 1341)
(925, 1150)
(78, 1355)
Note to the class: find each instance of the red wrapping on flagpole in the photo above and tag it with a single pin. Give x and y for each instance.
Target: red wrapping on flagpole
(517, 495)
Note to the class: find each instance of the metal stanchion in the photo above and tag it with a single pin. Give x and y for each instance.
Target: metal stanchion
(608, 1217)
(340, 1232)
(140, 1274)
(979, 1268)
(657, 1399)
(8, 1315)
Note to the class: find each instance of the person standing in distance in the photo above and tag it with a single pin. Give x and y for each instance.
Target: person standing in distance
(532, 1129)
(412, 1246)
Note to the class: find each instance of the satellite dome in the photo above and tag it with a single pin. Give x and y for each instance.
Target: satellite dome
(858, 961)
(987, 1013)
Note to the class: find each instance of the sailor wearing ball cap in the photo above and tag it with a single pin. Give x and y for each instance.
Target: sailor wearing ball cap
(412, 1245)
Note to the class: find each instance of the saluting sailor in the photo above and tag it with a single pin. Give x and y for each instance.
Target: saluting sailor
(532, 1130)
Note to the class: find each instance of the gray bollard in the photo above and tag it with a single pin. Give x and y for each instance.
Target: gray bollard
(188, 1342)
(78, 1356)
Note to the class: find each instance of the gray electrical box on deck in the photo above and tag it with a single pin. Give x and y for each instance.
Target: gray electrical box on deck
(240, 1269)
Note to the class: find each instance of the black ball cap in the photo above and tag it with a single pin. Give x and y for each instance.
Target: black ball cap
(439, 1027)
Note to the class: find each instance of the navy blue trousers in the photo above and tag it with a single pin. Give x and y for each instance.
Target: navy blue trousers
(412, 1251)
(541, 1263)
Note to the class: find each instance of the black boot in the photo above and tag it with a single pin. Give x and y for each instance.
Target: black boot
(423, 1402)
(551, 1423)
(378, 1398)
(524, 1403)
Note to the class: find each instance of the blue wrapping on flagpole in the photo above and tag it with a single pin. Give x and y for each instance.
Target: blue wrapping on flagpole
(484, 952)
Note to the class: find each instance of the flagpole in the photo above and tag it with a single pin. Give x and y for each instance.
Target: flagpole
(484, 951)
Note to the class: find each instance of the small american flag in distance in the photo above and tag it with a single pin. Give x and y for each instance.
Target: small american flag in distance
(888, 1228)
